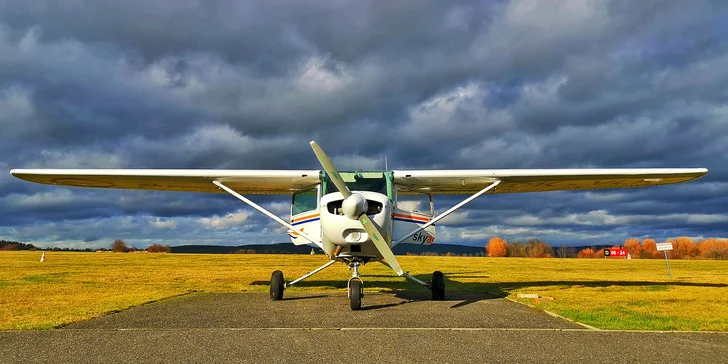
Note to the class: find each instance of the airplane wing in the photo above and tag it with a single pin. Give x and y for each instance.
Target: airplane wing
(188, 180)
(452, 182)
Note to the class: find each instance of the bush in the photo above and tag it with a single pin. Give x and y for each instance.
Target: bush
(633, 248)
(159, 248)
(586, 253)
(250, 251)
(538, 249)
(119, 246)
(516, 250)
(565, 252)
(496, 247)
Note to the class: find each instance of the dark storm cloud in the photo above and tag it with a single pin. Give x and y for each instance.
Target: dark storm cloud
(228, 84)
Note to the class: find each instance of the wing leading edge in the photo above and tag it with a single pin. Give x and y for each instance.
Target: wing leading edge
(453, 182)
(433, 181)
(188, 180)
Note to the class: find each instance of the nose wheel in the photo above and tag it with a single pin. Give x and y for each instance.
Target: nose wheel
(356, 292)
(356, 287)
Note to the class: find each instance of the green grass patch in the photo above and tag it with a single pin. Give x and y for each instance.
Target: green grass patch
(657, 287)
(46, 278)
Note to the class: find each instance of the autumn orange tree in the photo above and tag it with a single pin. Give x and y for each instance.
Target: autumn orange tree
(496, 247)
(649, 249)
(682, 248)
(586, 253)
(714, 249)
(633, 248)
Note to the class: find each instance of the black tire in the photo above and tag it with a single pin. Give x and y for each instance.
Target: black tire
(355, 292)
(438, 286)
(277, 285)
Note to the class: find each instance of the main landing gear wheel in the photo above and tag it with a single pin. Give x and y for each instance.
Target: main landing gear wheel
(438, 286)
(356, 291)
(277, 285)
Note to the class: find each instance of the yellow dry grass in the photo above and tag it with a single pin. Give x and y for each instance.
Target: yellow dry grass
(609, 294)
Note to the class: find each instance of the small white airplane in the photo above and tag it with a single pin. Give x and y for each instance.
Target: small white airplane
(356, 217)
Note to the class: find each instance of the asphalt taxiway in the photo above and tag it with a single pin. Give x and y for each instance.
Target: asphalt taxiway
(311, 327)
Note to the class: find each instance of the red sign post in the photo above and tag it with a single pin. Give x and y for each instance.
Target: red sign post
(615, 252)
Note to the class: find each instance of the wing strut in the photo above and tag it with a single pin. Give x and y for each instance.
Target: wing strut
(448, 212)
(265, 212)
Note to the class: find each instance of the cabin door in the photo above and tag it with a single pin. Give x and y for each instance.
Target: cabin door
(412, 209)
(305, 215)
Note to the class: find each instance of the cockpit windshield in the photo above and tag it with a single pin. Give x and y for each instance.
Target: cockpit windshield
(360, 181)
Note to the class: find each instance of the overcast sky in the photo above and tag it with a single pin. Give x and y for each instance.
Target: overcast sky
(429, 84)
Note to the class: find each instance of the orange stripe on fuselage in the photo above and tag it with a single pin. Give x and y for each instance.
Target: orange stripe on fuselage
(305, 217)
(418, 218)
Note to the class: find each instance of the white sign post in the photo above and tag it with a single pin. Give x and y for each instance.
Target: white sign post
(665, 247)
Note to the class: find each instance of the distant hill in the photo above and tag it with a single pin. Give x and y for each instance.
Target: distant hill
(289, 248)
(281, 248)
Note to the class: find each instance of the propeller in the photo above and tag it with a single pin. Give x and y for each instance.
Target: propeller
(355, 208)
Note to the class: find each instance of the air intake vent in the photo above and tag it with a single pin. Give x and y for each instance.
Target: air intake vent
(374, 207)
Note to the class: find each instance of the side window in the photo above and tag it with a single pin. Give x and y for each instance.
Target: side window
(414, 202)
(305, 201)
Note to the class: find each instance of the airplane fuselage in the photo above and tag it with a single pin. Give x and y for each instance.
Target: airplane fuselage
(342, 236)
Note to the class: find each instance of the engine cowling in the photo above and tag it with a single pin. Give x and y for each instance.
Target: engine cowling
(339, 217)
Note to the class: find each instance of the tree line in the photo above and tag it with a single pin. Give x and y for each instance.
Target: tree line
(683, 248)
(534, 248)
(14, 245)
(119, 246)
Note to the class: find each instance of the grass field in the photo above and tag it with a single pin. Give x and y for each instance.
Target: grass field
(608, 294)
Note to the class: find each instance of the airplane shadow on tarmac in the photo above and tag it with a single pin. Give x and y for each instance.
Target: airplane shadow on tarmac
(465, 293)
(460, 293)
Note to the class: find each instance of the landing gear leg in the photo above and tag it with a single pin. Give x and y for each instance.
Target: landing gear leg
(278, 285)
(436, 285)
(356, 288)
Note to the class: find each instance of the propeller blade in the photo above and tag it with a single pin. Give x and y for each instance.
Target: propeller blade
(380, 243)
(330, 169)
(371, 229)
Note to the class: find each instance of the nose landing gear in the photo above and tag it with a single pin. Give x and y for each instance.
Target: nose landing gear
(356, 287)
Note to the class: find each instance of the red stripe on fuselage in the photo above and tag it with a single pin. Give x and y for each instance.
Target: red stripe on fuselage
(412, 217)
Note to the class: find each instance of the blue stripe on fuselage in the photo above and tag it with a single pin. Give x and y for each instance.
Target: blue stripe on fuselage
(305, 221)
(408, 220)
